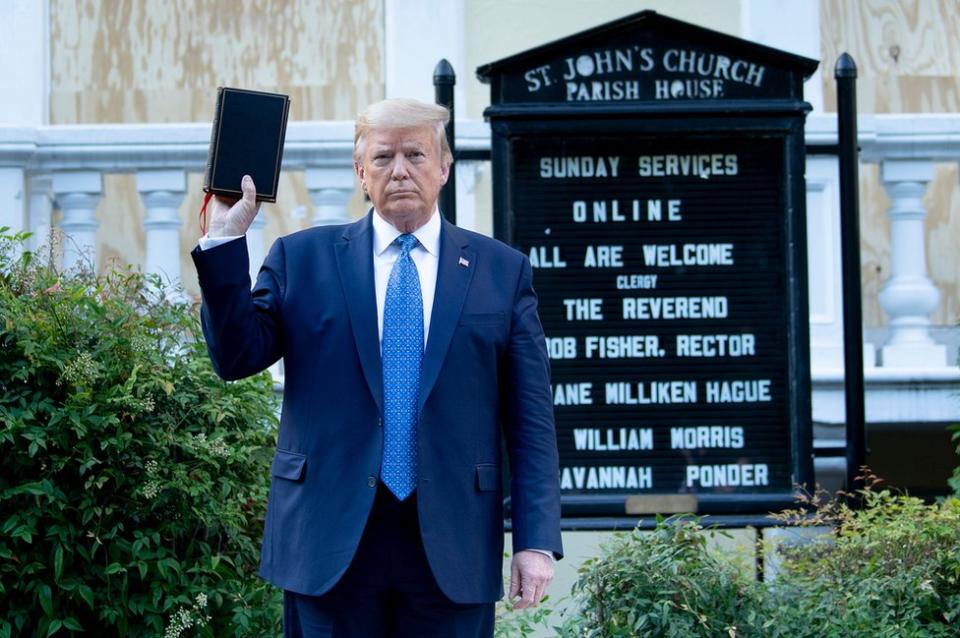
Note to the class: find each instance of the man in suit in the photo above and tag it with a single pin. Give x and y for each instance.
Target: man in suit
(410, 346)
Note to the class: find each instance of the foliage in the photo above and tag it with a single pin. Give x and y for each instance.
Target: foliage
(663, 583)
(890, 570)
(132, 480)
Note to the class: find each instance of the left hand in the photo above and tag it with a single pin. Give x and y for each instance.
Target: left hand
(530, 573)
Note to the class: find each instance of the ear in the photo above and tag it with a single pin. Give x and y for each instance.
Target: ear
(445, 173)
(358, 169)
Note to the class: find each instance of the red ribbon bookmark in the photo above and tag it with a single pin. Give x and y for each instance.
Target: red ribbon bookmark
(203, 212)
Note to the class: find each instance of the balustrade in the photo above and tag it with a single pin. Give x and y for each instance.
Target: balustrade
(65, 165)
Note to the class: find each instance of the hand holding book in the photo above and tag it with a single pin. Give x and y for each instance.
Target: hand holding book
(230, 216)
(246, 144)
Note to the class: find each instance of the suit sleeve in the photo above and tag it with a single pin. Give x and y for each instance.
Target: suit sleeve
(529, 427)
(242, 327)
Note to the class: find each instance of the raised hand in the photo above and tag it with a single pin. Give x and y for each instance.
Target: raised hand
(230, 216)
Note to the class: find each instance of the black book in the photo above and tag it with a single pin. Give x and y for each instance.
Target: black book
(247, 139)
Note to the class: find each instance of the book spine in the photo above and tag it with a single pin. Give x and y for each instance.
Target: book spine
(214, 138)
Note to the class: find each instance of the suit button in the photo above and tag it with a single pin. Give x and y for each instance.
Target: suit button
(380, 423)
(371, 481)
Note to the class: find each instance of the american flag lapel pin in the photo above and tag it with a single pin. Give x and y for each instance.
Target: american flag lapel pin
(464, 262)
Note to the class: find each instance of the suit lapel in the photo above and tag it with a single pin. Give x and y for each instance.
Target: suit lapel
(355, 262)
(454, 272)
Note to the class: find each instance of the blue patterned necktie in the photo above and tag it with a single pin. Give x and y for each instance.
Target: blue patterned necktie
(402, 351)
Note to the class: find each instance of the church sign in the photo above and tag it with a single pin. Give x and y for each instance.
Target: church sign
(652, 171)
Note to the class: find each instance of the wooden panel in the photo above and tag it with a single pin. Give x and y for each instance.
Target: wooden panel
(906, 53)
(908, 61)
(874, 243)
(119, 61)
(943, 231)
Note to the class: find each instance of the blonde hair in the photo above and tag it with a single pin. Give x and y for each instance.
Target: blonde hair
(400, 112)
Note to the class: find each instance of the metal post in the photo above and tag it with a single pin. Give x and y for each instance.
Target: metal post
(444, 80)
(845, 74)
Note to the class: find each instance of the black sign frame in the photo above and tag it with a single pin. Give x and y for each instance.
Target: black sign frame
(782, 126)
(778, 117)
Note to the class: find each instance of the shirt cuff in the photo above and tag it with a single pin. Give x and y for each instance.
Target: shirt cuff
(212, 242)
(544, 551)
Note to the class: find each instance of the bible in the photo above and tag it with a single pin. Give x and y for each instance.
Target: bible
(246, 139)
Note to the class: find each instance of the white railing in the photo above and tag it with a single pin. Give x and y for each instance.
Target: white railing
(910, 377)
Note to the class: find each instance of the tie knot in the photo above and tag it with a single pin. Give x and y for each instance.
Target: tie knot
(407, 242)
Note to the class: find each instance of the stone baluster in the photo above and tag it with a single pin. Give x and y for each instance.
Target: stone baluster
(909, 296)
(40, 210)
(78, 193)
(330, 190)
(162, 192)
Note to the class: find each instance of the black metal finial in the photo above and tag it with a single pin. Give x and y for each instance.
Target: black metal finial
(443, 73)
(845, 68)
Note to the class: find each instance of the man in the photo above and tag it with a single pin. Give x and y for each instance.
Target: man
(409, 346)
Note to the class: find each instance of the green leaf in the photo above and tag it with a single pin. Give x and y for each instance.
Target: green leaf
(46, 599)
(114, 568)
(87, 594)
(72, 624)
(54, 627)
(58, 562)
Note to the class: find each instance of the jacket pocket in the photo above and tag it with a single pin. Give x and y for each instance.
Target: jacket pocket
(488, 477)
(288, 465)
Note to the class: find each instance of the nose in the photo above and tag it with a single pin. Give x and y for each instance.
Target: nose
(399, 167)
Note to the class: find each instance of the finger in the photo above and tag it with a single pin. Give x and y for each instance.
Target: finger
(249, 190)
(539, 594)
(514, 580)
(527, 592)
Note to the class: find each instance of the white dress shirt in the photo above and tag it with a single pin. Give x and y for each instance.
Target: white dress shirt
(426, 257)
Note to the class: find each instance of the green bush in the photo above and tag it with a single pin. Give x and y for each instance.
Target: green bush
(664, 583)
(132, 479)
(890, 570)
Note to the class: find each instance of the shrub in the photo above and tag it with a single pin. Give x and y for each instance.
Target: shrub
(132, 480)
(663, 583)
(890, 570)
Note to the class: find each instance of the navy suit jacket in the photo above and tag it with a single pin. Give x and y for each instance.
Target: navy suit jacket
(485, 376)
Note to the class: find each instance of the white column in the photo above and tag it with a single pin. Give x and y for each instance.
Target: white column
(162, 192)
(256, 252)
(40, 210)
(765, 22)
(418, 34)
(25, 48)
(330, 190)
(78, 193)
(909, 296)
(12, 206)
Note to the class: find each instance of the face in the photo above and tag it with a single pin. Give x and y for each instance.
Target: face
(402, 171)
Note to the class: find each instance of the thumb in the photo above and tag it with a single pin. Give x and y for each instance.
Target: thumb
(249, 190)
(514, 579)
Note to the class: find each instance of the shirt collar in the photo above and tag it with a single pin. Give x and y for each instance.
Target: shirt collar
(384, 233)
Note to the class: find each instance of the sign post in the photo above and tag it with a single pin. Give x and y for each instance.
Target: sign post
(652, 171)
